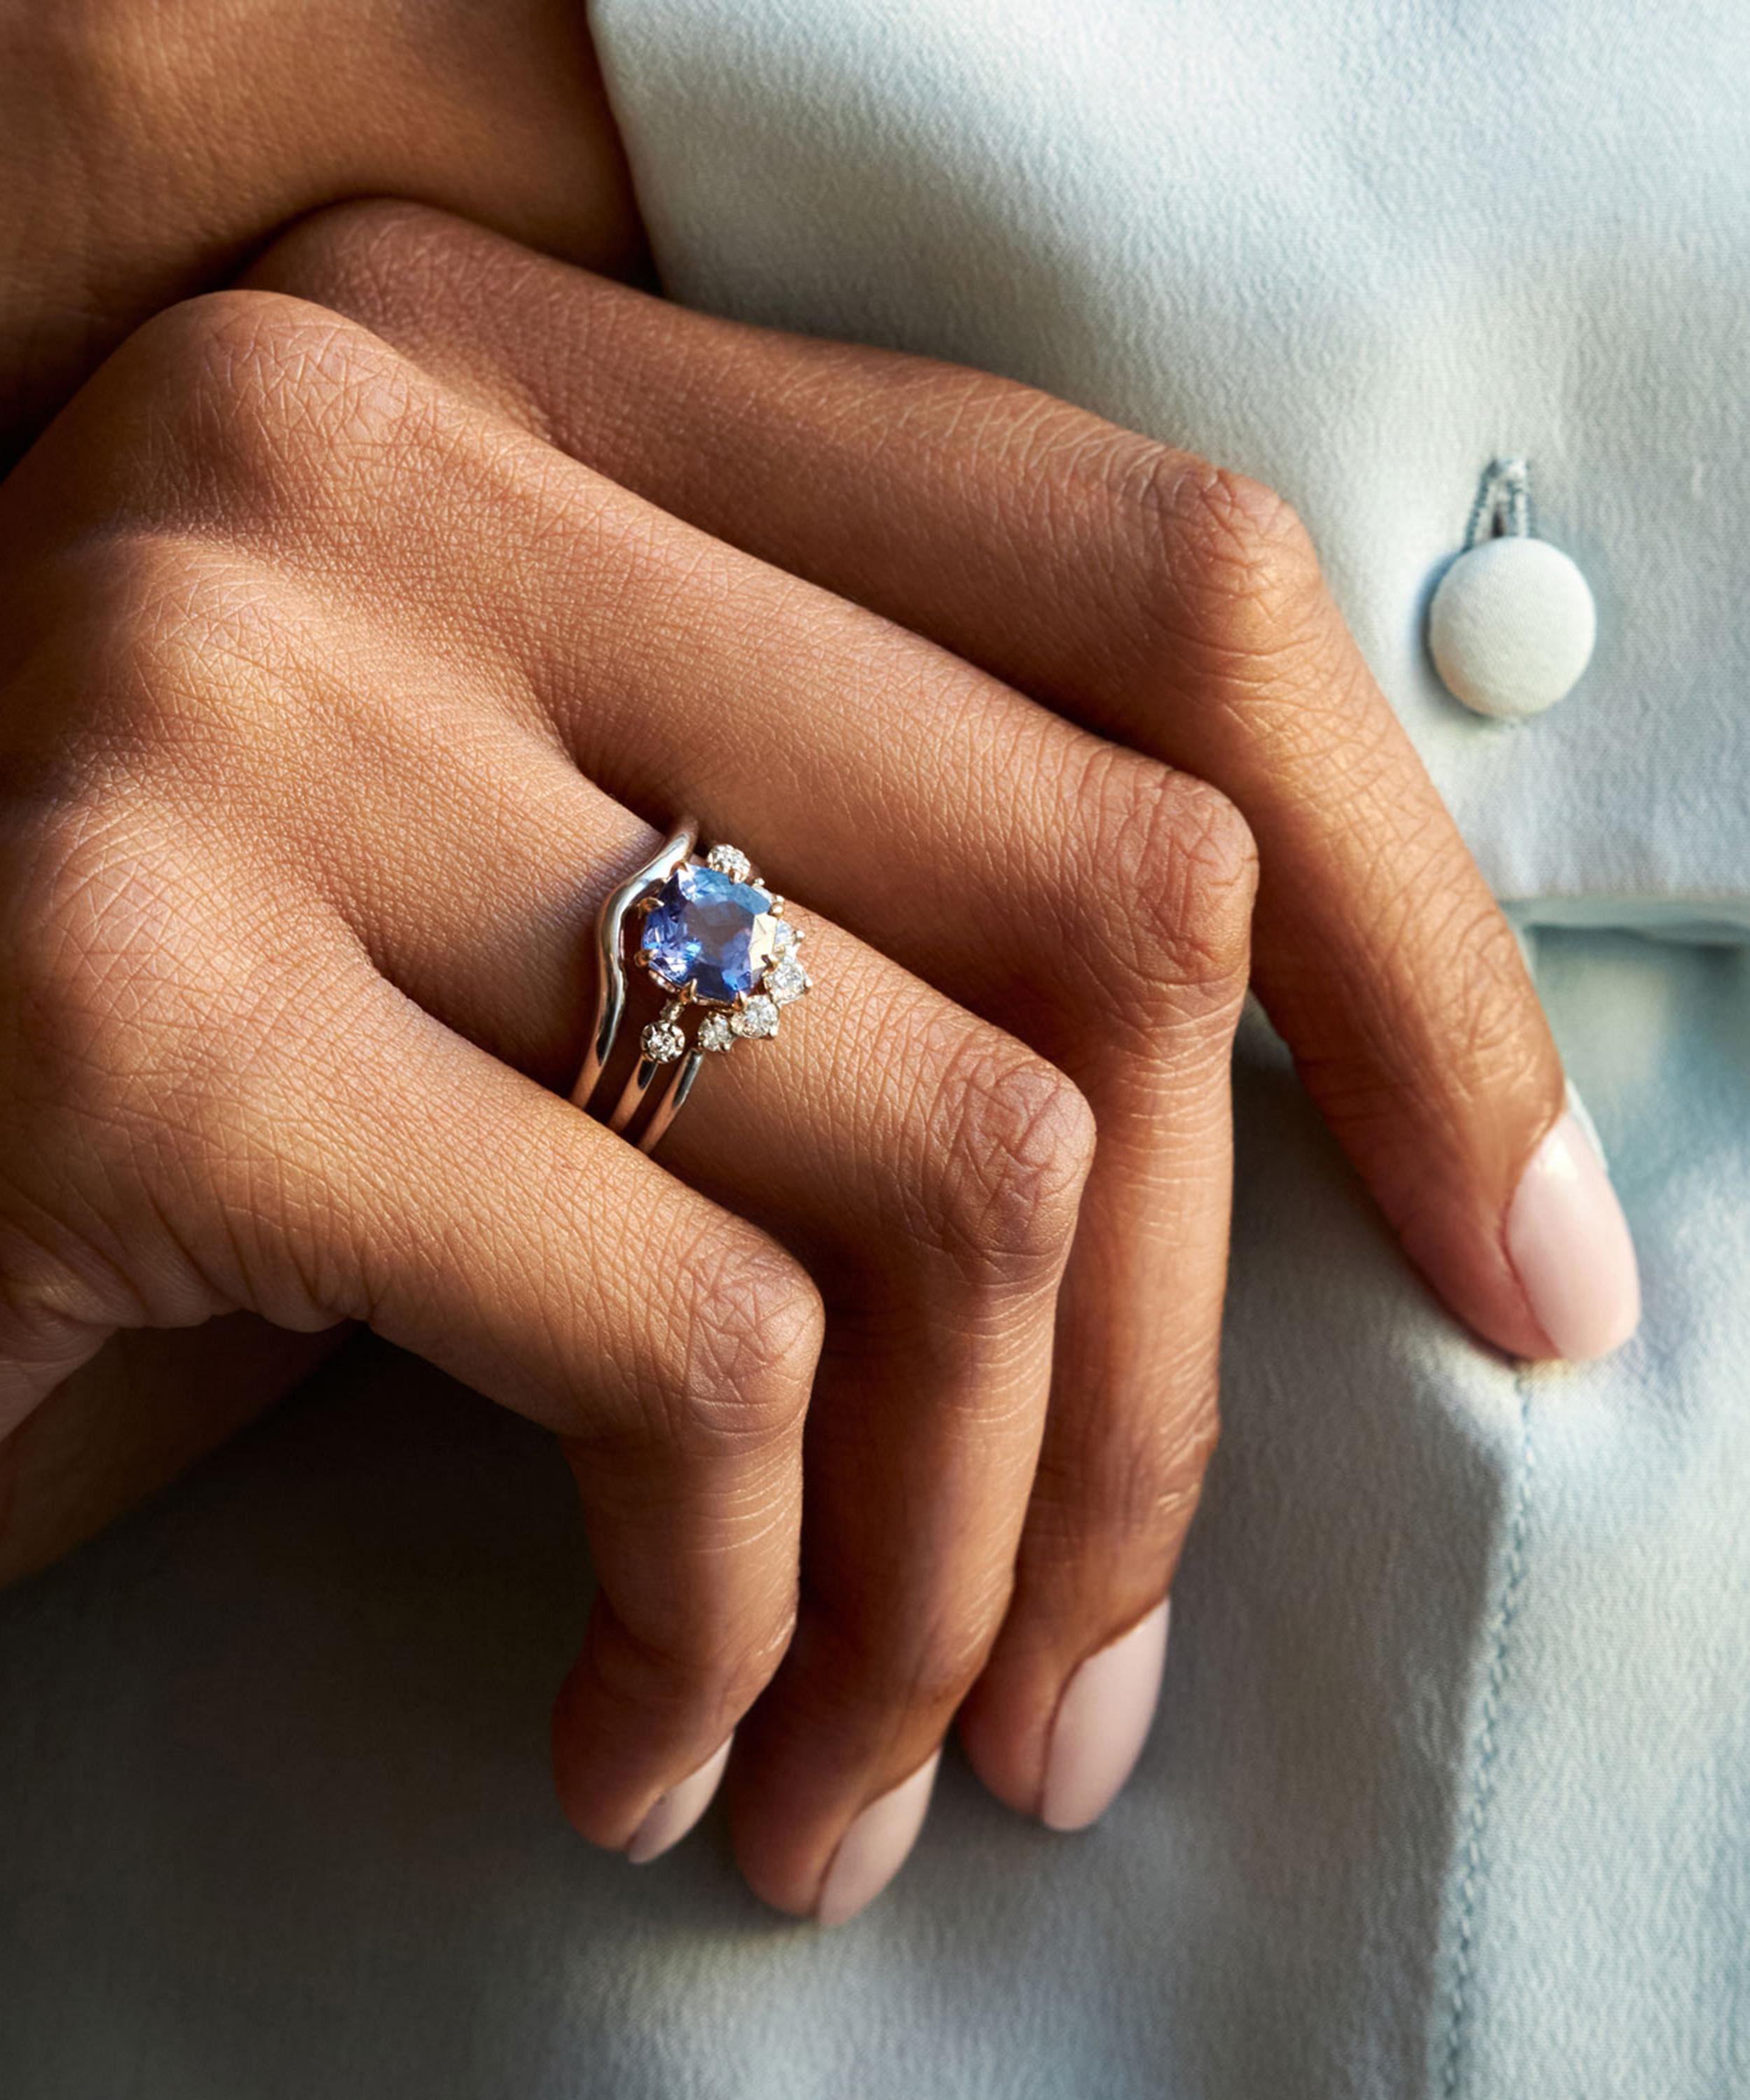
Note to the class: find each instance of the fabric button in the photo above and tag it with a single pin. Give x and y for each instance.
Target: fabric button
(1511, 627)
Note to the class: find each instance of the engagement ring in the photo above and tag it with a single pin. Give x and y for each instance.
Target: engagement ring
(716, 940)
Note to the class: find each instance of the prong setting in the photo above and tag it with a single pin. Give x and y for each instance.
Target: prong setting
(665, 1040)
(715, 938)
(757, 1016)
(730, 861)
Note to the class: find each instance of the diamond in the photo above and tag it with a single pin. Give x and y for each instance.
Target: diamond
(663, 1041)
(714, 1033)
(784, 938)
(730, 861)
(709, 933)
(787, 980)
(758, 1017)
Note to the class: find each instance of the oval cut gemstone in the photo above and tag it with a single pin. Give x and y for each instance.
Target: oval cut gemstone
(711, 931)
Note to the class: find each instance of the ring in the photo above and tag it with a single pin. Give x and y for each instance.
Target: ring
(713, 938)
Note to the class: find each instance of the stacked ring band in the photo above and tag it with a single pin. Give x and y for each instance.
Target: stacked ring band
(716, 942)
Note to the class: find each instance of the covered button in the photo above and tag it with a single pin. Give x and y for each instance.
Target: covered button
(1511, 627)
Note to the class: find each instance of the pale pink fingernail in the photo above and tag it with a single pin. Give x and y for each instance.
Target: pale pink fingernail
(678, 1809)
(875, 1847)
(1102, 1723)
(1568, 1242)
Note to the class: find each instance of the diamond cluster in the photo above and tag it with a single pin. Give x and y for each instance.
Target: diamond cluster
(730, 861)
(715, 935)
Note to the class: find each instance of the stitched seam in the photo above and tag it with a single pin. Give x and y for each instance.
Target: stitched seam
(1503, 503)
(1474, 1824)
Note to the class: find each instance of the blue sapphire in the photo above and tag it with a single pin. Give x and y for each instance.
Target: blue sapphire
(710, 932)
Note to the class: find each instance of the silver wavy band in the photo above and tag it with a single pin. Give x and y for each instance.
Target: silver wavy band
(712, 938)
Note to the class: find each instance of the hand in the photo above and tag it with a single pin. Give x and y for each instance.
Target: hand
(1171, 608)
(149, 148)
(1138, 1003)
(303, 656)
(1177, 611)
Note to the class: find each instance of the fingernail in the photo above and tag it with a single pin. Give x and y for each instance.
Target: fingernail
(1569, 1244)
(875, 1847)
(1102, 1723)
(678, 1809)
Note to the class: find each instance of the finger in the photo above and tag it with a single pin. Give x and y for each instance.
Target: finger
(1094, 900)
(953, 1167)
(120, 1427)
(311, 1147)
(926, 1170)
(51, 1325)
(1175, 607)
(472, 1217)
(1023, 835)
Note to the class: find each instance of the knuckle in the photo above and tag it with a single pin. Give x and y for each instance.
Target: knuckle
(1243, 522)
(1011, 1141)
(178, 664)
(1242, 577)
(748, 1324)
(244, 394)
(48, 1312)
(120, 1028)
(438, 288)
(187, 352)
(929, 1670)
(1152, 1498)
(1248, 552)
(1124, 1501)
(717, 1657)
(75, 938)
(1183, 857)
(324, 249)
(366, 257)
(934, 1675)
(741, 1661)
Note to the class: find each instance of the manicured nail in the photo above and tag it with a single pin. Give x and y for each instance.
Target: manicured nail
(875, 1847)
(678, 1809)
(1102, 1723)
(1568, 1242)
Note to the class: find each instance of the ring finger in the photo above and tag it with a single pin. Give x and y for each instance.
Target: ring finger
(924, 1167)
(1089, 897)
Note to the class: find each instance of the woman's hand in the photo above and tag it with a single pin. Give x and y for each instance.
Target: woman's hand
(1179, 613)
(303, 646)
(328, 697)
(1172, 608)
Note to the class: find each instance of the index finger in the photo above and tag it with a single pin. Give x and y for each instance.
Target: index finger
(1161, 602)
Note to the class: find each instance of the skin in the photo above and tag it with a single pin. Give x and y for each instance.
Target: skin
(350, 618)
(148, 148)
(1179, 613)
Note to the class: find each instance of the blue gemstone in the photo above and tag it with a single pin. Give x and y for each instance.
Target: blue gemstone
(709, 932)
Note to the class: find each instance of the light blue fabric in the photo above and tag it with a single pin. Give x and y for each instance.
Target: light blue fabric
(1450, 1795)
(1357, 248)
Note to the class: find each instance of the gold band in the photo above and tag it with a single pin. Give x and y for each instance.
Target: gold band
(611, 968)
(717, 941)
